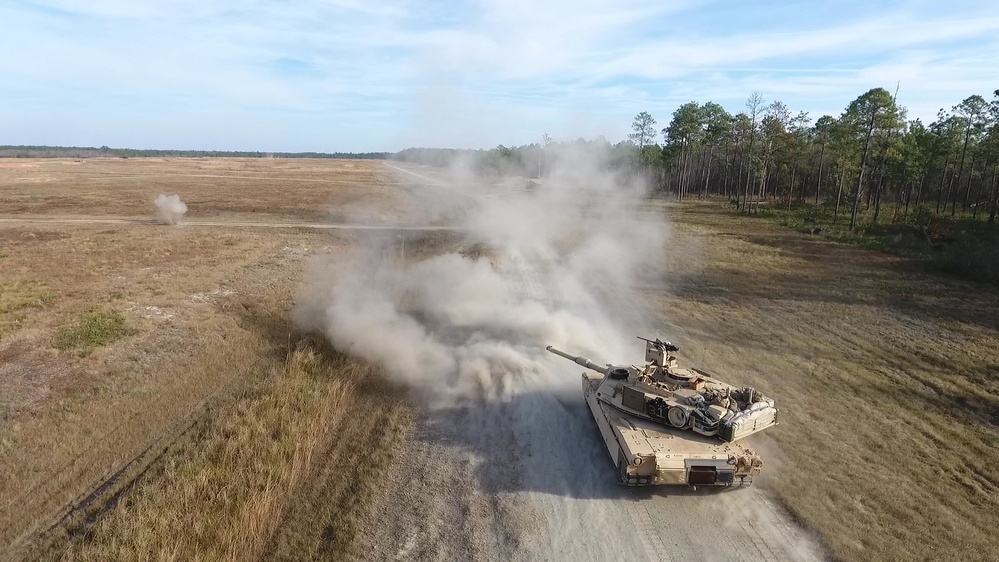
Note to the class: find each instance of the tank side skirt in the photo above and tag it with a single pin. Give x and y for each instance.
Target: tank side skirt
(606, 433)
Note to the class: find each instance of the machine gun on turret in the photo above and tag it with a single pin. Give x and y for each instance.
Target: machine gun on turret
(657, 352)
(664, 345)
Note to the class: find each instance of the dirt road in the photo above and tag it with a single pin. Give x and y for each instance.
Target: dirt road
(232, 224)
(527, 478)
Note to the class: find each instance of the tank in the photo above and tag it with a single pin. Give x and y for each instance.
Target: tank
(663, 424)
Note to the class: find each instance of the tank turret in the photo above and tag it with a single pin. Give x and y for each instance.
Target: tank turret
(686, 399)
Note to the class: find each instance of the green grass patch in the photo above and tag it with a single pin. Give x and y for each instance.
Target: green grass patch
(18, 295)
(95, 328)
(961, 245)
(17, 298)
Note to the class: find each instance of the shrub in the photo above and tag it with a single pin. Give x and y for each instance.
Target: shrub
(94, 329)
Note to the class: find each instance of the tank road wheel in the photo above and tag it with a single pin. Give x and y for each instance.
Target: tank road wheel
(677, 416)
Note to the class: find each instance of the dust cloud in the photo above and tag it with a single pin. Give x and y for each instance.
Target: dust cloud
(506, 442)
(169, 208)
(455, 327)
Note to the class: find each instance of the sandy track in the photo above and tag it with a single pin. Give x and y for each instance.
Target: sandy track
(233, 224)
(106, 175)
(527, 478)
(422, 177)
(218, 176)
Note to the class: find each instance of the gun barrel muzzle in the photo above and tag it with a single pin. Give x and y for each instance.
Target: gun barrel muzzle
(579, 360)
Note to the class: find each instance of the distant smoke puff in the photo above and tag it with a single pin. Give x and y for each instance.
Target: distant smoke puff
(169, 208)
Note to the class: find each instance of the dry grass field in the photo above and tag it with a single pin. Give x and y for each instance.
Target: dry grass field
(213, 188)
(887, 377)
(156, 403)
(121, 347)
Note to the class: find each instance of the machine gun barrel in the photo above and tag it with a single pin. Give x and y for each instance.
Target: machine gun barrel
(663, 345)
(579, 360)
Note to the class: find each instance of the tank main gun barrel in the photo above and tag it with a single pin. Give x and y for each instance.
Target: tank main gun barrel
(580, 360)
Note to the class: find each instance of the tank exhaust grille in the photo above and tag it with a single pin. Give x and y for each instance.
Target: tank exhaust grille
(702, 476)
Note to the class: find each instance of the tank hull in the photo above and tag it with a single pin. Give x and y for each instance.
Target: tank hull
(648, 454)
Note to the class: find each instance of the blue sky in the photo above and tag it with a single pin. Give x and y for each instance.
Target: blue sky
(355, 75)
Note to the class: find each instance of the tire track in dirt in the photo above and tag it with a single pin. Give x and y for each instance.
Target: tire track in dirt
(668, 523)
(528, 479)
(48, 536)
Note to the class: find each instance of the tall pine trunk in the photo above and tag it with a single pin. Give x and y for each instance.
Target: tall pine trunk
(860, 177)
(707, 174)
(943, 179)
(995, 194)
(978, 192)
(818, 180)
(952, 196)
(839, 194)
(960, 170)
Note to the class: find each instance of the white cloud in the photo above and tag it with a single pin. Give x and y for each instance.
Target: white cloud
(478, 73)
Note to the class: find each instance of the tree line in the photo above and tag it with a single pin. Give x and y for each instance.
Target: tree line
(868, 156)
(855, 163)
(532, 160)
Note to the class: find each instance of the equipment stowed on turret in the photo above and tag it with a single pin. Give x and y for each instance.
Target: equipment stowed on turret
(667, 425)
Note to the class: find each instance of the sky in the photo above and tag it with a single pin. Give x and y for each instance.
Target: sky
(364, 75)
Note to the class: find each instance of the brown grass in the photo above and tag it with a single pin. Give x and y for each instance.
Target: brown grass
(887, 380)
(332, 504)
(212, 188)
(209, 305)
(226, 496)
(17, 297)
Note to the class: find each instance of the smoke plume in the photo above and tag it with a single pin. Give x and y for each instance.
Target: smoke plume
(169, 208)
(558, 255)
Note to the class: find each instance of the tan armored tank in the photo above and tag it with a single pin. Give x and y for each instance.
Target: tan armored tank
(666, 425)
